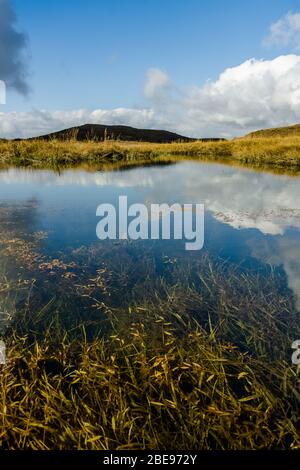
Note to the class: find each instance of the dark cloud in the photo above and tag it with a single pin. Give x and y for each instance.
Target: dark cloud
(13, 43)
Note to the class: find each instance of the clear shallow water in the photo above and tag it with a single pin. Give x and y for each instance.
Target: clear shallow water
(252, 219)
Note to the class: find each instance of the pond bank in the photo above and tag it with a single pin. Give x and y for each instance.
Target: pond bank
(266, 153)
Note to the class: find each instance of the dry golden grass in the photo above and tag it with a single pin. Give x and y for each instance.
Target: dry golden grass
(286, 131)
(273, 152)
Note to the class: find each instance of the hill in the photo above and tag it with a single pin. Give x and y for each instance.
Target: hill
(100, 132)
(287, 131)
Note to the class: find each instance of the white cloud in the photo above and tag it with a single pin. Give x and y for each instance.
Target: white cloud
(255, 94)
(285, 32)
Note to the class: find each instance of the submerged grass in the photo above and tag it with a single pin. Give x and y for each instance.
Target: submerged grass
(201, 361)
(115, 347)
(185, 391)
(159, 380)
(269, 152)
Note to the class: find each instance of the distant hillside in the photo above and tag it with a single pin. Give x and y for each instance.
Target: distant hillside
(100, 132)
(287, 131)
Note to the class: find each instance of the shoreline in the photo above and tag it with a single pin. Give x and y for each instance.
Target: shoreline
(274, 154)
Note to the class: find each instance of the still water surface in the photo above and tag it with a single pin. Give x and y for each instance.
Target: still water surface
(252, 219)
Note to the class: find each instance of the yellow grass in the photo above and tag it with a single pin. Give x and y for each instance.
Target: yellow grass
(273, 152)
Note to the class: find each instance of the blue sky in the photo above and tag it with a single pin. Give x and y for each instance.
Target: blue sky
(96, 54)
(91, 53)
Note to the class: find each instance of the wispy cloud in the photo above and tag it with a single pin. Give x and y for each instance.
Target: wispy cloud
(13, 68)
(157, 83)
(285, 32)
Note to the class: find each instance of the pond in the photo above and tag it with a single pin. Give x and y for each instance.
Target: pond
(48, 235)
(143, 342)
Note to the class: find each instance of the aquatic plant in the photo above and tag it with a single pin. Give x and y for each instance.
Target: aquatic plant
(125, 355)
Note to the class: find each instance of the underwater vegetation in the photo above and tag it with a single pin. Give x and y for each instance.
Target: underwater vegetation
(114, 347)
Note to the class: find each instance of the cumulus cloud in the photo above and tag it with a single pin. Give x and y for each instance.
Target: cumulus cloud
(285, 32)
(12, 47)
(255, 94)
